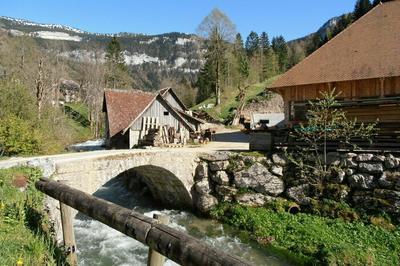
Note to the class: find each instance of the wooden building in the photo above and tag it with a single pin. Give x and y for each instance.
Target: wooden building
(362, 63)
(130, 114)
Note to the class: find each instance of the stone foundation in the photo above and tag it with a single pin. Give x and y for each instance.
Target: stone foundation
(366, 180)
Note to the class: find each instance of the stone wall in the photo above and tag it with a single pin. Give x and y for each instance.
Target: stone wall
(367, 181)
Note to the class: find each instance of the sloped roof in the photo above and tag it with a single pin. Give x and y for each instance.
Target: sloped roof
(124, 106)
(369, 48)
(163, 93)
(190, 117)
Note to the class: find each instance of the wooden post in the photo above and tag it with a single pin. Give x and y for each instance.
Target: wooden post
(68, 233)
(155, 258)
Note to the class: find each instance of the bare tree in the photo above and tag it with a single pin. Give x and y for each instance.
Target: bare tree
(217, 21)
(218, 29)
(46, 82)
(93, 82)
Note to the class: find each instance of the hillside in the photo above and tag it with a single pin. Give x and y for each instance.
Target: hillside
(152, 59)
(257, 100)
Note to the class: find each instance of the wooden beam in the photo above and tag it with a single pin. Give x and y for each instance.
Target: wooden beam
(176, 245)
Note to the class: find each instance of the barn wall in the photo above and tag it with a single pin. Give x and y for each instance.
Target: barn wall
(348, 90)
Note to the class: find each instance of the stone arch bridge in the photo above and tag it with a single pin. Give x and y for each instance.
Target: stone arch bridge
(169, 173)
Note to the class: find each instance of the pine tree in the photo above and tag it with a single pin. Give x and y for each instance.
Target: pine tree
(117, 71)
(242, 63)
(265, 45)
(361, 8)
(205, 81)
(281, 50)
(252, 43)
(238, 45)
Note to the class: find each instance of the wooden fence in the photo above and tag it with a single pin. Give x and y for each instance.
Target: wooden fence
(173, 244)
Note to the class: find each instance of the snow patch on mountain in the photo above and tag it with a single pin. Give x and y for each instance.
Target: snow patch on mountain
(150, 41)
(183, 41)
(84, 56)
(55, 35)
(130, 59)
(16, 33)
(44, 25)
(139, 59)
(179, 62)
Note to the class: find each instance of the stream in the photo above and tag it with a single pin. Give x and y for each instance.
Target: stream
(99, 244)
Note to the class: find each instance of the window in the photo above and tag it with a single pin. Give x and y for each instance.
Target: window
(166, 113)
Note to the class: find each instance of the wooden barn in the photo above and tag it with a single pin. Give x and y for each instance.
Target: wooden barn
(132, 114)
(362, 63)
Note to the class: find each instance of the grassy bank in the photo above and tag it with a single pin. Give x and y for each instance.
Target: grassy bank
(24, 228)
(229, 101)
(314, 239)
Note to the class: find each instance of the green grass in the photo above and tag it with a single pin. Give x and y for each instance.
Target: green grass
(24, 228)
(78, 112)
(314, 239)
(228, 100)
(81, 108)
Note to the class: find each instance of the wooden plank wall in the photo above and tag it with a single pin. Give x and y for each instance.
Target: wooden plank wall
(384, 113)
(349, 90)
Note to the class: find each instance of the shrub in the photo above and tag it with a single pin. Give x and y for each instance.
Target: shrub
(18, 136)
(325, 122)
(16, 100)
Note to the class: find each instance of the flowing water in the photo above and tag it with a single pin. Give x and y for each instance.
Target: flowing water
(99, 244)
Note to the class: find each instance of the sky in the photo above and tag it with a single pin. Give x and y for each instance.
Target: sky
(290, 18)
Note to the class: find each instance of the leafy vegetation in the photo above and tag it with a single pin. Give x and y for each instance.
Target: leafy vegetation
(24, 228)
(314, 239)
(22, 132)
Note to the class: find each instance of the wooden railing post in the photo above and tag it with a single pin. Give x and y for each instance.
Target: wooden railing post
(155, 258)
(68, 234)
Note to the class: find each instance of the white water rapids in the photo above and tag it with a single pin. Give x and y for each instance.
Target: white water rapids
(99, 244)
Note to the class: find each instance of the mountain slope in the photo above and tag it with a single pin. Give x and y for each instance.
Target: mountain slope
(151, 59)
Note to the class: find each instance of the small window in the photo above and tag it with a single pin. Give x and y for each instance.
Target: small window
(166, 113)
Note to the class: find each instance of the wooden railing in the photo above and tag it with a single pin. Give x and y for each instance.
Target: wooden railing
(173, 244)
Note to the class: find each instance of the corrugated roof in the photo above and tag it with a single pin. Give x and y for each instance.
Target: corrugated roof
(369, 48)
(124, 106)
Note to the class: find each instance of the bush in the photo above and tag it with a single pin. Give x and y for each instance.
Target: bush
(16, 100)
(18, 136)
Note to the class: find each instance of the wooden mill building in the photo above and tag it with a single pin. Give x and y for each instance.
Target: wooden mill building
(131, 113)
(362, 63)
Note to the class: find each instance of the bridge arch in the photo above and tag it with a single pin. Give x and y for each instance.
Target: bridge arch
(163, 185)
